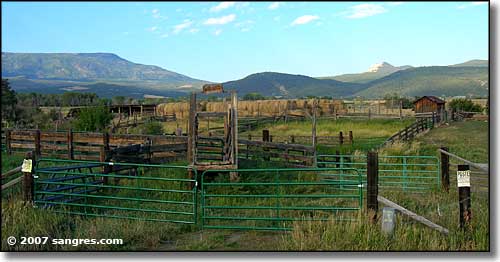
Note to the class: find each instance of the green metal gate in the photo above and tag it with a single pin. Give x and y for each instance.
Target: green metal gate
(116, 190)
(273, 199)
(407, 173)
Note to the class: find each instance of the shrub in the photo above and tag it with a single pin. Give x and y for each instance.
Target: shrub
(463, 104)
(153, 128)
(93, 119)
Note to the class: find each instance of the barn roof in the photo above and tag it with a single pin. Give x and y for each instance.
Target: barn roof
(434, 99)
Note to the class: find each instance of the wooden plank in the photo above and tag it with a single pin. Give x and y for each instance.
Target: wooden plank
(87, 148)
(412, 215)
(11, 172)
(95, 139)
(276, 145)
(481, 166)
(28, 137)
(53, 155)
(86, 157)
(53, 138)
(45, 147)
(23, 146)
(12, 182)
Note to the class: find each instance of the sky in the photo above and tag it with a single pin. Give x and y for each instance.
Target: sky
(223, 41)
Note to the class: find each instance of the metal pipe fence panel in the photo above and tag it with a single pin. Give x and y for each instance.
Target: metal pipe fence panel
(275, 199)
(116, 190)
(407, 173)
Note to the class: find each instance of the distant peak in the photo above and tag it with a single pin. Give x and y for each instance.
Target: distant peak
(380, 66)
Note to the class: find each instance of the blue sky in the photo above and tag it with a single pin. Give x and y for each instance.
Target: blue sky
(222, 41)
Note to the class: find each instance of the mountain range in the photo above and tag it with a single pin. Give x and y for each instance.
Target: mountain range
(109, 75)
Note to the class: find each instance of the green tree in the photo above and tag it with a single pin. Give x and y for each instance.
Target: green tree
(253, 96)
(153, 128)
(464, 104)
(93, 119)
(9, 102)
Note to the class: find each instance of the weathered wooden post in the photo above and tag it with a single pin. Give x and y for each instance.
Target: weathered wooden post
(341, 138)
(400, 109)
(70, 144)
(7, 141)
(28, 182)
(372, 185)
(265, 138)
(313, 131)
(445, 170)
(463, 180)
(103, 157)
(38, 151)
(190, 129)
(351, 138)
(369, 113)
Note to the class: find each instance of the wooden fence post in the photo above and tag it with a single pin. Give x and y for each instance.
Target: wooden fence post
(28, 183)
(37, 144)
(103, 157)
(70, 144)
(351, 138)
(463, 179)
(341, 138)
(265, 135)
(445, 170)
(372, 185)
(7, 141)
(400, 109)
(265, 138)
(369, 113)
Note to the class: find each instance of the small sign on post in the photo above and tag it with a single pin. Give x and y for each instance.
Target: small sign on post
(27, 166)
(463, 181)
(212, 88)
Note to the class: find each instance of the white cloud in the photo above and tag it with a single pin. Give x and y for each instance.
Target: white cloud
(304, 19)
(194, 30)
(274, 5)
(153, 28)
(222, 6)
(218, 32)
(178, 28)
(365, 10)
(220, 20)
(471, 5)
(156, 14)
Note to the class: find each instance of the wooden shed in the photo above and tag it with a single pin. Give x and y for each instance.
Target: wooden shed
(427, 104)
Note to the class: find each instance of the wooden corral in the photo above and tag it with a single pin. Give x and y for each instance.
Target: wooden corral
(88, 146)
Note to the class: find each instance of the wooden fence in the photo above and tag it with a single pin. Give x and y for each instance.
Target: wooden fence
(341, 139)
(288, 154)
(80, 145)
(409, 132)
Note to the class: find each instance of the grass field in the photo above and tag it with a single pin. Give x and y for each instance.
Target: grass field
(440, 207)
